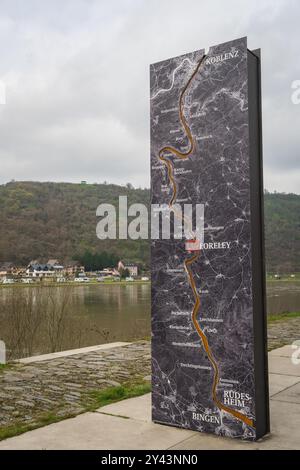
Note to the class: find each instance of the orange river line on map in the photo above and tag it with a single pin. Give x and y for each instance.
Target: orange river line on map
(189, 261)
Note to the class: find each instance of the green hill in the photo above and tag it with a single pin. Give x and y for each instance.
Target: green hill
(282, 232)
(58, 220)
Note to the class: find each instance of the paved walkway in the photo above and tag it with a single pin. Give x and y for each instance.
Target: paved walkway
(61, 384)
(127, 424)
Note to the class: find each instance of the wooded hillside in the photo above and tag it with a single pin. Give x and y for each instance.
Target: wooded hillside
(58, 220)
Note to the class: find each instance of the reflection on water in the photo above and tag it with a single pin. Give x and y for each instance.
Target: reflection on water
(37, 320)
(33, 320)
(122, 310)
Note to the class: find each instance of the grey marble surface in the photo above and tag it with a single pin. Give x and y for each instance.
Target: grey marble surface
(215, 174)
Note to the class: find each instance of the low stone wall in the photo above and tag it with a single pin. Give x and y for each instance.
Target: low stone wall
(63, 386)
(283, 332)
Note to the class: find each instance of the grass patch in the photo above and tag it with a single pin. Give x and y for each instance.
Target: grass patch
(114, 394)
(95, 399)
(42, 420)
(5, 366)
(282, 316)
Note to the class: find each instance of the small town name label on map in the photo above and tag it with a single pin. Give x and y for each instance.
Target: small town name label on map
(233, 398)
(215, 246)
(208, 418)
(221, 57)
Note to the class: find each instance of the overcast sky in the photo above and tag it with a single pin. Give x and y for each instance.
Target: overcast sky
(76, 74)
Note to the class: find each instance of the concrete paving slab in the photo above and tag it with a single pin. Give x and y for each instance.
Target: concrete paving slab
(138, 408)
(71, 352)
(98, 431)
(278, 383)
(283, 365)
(202, 441)
(127, 424)
(291, 394)
(285, 426)
(284, 351)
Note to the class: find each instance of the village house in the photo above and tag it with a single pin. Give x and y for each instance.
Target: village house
(36, 269)
(7, 268)
(50, 269)
(10, 269)
(72, 267)
(108, 272)
(55, 264)
(131, 267)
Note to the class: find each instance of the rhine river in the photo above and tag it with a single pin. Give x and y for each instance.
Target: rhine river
(46, 319)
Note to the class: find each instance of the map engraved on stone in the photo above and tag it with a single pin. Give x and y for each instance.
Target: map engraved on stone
(202, 322)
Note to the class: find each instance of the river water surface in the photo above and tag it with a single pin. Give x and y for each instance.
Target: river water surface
(95, 314)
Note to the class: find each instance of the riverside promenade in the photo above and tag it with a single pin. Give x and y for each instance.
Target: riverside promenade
(127, 423)
(41, 389)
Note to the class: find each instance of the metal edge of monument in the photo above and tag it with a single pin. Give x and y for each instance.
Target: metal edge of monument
(209, 344)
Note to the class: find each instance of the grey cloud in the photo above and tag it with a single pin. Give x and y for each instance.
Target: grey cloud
(78, 85)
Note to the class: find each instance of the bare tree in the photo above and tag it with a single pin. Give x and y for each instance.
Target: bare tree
(21, 319)
(57, 315)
